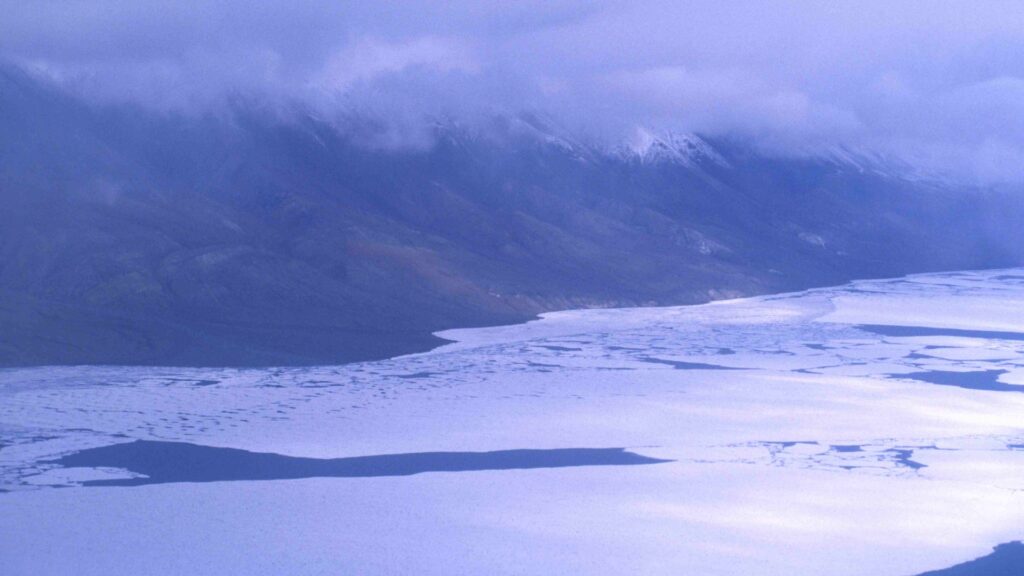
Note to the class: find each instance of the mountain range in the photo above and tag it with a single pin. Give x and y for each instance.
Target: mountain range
(265, 236)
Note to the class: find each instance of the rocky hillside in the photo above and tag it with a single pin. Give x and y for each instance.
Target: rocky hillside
(263, 237)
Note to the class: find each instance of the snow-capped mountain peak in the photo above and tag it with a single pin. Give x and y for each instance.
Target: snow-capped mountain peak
(668, 146)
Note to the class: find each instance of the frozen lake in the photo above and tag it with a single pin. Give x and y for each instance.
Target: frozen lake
(871, 429)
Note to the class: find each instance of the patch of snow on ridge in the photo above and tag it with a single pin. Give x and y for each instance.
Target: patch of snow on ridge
(649, 147)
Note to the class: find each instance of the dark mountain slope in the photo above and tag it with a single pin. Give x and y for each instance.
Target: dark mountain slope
(1005, 560)
(266, 237)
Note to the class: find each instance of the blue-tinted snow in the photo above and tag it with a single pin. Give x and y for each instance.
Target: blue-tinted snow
(787, 425)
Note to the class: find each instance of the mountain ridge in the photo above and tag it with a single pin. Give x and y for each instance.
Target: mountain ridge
(258, 238)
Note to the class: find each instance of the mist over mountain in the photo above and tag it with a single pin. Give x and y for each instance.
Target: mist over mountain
(262, 235)
(937, 84)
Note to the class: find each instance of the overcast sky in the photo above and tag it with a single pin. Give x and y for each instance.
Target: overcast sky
(940, 83)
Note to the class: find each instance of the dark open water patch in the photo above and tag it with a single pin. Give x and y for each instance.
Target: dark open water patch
(202, 382)
(165, 462)
(416, 375)
(906, 331)
(847, 448)
(978, 380)
(1005, 560)
(783, 444)
(904, 457)
(678, 365)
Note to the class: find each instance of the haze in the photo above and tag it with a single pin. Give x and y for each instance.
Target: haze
(937, 84)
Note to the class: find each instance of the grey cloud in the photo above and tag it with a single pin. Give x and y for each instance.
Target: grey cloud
(936, 82)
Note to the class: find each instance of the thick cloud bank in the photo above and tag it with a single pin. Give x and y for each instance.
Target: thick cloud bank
(939, 83)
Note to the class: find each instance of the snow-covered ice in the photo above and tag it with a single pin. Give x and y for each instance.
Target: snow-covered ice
(821, 432)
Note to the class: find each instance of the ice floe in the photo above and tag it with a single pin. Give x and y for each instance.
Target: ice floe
(875, 428)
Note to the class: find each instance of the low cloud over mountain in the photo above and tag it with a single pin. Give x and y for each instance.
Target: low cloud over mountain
(937, 84)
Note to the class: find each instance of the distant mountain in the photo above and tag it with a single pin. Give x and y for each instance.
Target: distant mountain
(260, 236)
(1005, 560)
(671, 148)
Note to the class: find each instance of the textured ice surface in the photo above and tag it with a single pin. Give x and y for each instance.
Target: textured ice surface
(823, 432)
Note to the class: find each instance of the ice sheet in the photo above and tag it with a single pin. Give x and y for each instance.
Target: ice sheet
(798, 440)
